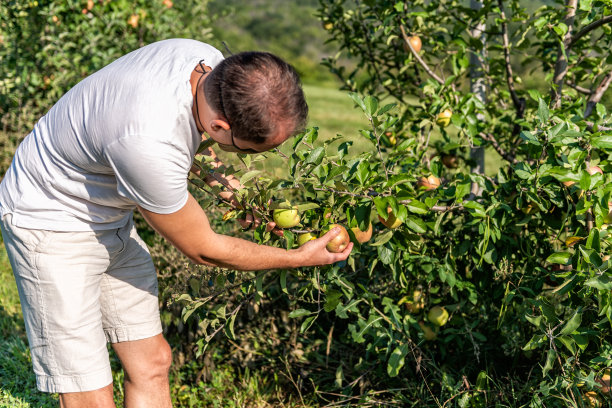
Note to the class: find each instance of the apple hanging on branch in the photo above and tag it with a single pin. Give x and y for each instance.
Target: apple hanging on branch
(392, 221)
(286, 217)
(443, 119)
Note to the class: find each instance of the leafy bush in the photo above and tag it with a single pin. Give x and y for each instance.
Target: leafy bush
(47, 46)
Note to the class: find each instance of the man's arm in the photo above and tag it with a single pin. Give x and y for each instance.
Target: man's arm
(189, 231)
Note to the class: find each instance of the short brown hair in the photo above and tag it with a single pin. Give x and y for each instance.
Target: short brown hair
(256, 91)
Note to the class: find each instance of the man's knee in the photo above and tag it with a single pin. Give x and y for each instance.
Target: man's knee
(155, 364)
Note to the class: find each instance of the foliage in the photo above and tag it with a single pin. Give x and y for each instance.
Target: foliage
(517, 259)
(47, 46)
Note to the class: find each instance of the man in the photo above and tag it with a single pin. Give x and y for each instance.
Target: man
(121, 139)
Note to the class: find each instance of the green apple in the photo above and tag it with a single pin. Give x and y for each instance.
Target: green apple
(437, 315)
(286, 218)
(429, 334)
(443, 119)
(304, 238)
(340, 241)
(391, 222)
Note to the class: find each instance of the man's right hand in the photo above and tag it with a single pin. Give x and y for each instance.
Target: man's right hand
(315, 253)
(189, 231)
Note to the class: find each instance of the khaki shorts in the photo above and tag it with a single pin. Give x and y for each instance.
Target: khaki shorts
(79, 290)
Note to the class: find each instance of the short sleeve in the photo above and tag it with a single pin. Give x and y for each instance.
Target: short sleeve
(150, 172)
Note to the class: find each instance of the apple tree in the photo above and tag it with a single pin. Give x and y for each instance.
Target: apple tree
(472, 275)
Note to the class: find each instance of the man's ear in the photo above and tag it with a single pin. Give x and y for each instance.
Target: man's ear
(219, 124)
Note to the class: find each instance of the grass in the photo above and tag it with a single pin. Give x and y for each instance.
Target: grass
(17, 382)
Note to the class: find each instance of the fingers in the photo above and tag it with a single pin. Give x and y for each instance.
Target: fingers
(345, 254)
(331, 234)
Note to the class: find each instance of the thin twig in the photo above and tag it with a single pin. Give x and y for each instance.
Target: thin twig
(491, 139)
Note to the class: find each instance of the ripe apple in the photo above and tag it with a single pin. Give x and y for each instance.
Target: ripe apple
(595, 169)
(168, 3)
(427, 331)
(340, 241)
(430, 182)
(568, 184)
(443, 119)
(437, 315)
(286, 218)
(391, 222)
(362, 236)
(591, 399)
(450, 161)
(416, 43)
(304, 238)
(90, 4)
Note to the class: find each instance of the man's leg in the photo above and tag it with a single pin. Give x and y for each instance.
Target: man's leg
(102, 398)
(130, 317)
(146, 363)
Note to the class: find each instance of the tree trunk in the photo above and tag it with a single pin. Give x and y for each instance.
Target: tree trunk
(478, 87)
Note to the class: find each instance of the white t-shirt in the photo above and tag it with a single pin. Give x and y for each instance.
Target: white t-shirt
(122, 137)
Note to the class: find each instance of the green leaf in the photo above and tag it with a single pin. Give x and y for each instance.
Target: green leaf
(283, 281)
(416, 224)
(417, 207)
(543, 113)
(550, 361)
(299, 313)
(229, 327)
(307, 206)
(307, 323)
(396, 360)
(602, 142)
(248, 176)
(315, 156)
(355, 97)
(602, 282)
(383, 238)
(371, 105)
(530, 138)
(572, 324)
(559, 258)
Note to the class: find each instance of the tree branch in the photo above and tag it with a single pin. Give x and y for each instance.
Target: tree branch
(506, 45)
(561, 67)
(586, 29)
(597, 95)
(591, 125)
(579, 88)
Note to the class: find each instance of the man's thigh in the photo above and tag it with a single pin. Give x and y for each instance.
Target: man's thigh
(130, 306)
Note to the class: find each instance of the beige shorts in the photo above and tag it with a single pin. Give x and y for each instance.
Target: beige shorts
(79, 290)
